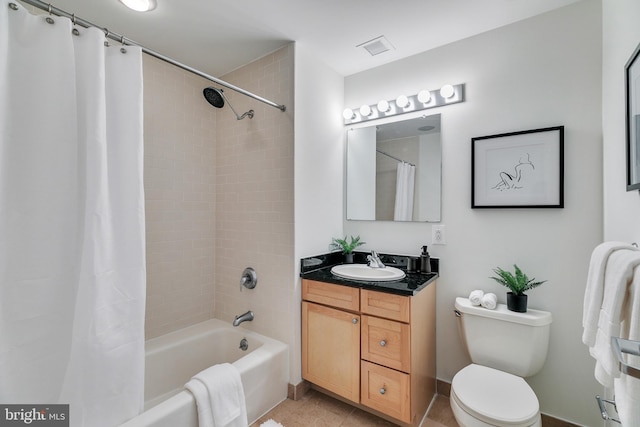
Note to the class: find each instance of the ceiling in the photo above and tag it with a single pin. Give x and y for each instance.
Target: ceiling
(218, 36)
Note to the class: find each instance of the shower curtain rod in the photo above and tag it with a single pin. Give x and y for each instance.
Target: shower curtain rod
(394, 158)
(52, 10)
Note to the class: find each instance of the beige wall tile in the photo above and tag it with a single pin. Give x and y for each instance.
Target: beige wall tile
(180, 137)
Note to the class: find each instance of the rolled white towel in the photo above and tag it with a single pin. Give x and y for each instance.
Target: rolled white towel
(475, 297)
(489, 301)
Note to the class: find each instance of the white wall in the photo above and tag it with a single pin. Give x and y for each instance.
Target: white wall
(545, 71)
(621, 35)
(319, 169)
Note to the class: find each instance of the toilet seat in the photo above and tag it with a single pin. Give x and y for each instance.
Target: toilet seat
(495, 397)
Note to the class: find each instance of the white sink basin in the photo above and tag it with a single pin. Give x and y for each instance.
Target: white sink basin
(366, 273)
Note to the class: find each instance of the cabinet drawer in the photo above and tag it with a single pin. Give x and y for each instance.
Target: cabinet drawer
(386, 342)
(333, 295)
(389, 306)
(386, 390)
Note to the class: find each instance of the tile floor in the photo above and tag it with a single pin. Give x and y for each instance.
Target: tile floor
(315, 409)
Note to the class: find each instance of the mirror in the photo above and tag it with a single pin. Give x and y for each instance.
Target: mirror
(394, 171)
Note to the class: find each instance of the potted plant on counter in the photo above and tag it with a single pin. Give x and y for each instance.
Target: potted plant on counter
(518, 283)
(347, 247)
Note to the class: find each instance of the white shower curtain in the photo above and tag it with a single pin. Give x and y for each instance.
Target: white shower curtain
(72, 255)
(405, 182)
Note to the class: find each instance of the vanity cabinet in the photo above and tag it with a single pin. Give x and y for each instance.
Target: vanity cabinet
(376, 349)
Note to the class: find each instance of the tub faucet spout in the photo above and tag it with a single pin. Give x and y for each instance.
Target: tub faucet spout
(246, 317)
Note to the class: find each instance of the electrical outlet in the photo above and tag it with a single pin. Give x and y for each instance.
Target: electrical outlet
(437, 235)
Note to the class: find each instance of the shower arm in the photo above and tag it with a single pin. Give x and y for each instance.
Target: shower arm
(52, 10)
(238, 117)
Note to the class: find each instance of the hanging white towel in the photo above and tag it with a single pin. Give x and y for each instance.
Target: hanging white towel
(219, 397)
(475, 297)
(627, 388)
(618, 276)
(405, 182)
(489, 301)
(594, 291)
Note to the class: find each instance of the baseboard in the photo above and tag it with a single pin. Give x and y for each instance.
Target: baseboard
(296, 391)
(444, 388)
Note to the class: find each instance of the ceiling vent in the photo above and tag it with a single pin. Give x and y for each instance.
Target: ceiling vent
(376, 46)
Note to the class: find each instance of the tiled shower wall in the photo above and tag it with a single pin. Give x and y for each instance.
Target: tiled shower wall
(179, 175)
(219, 198)
(254, 205)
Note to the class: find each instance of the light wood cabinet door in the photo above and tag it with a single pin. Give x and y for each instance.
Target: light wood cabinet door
(331, 349)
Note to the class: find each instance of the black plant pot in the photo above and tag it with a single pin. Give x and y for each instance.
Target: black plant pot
(348, 258)
(517, 303)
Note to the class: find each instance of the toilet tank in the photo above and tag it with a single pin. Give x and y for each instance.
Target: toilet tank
(502, 339)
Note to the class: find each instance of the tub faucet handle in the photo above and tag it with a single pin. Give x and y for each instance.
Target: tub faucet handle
(249, 279)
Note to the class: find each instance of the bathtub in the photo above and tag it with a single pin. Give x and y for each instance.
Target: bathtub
(172, 359)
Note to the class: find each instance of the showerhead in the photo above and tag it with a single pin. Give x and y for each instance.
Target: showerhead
(216, 98)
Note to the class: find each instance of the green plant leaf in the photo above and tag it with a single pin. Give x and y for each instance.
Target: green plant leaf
(518, 283)
(345, 246)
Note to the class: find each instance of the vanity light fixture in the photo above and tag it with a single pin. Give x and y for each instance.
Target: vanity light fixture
(402, 101)
(383, 106)
(424, 96)
(447, 94)
(348, 114)
(365, 110)
(140, 5)
(447, 91)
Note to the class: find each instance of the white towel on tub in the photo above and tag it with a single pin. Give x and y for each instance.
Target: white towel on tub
(219, 396)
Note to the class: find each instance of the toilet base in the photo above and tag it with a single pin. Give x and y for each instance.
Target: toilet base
(466, 420)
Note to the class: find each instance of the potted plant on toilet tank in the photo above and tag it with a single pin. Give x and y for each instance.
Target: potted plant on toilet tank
(347, 247)
(518, 283)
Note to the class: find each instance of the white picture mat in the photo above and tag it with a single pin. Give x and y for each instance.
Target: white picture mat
(518, 169)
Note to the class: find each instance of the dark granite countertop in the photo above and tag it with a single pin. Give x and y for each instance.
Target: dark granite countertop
(319, 268)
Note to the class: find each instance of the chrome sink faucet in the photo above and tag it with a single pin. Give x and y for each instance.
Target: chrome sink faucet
(374, 260)
(245, 317)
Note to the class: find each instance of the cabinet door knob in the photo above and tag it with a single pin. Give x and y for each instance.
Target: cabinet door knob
(355, 320)
(383, 343)
(382, 390)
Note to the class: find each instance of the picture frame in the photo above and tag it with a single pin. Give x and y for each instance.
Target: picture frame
(632, 119)
(518, 169)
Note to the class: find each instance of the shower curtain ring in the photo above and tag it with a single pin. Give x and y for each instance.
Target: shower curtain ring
(122, 40)
(73, 19)
(49, 8)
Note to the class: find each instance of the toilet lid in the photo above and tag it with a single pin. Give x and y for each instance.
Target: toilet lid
(495, 396)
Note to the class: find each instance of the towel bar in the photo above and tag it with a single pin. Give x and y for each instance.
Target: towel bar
(629, 347)
(603, 409)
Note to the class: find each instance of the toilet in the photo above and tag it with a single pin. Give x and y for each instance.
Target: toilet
(504, 347)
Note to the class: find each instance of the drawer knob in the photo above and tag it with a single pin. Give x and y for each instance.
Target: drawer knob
(383, 390)
(355, 321)
(383, 343)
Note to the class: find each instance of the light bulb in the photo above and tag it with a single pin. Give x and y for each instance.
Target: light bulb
(402, 101)
(447, 91)
(383, 106)
(424, 96)
(348, 114)
(365, 111)
(140, 5)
